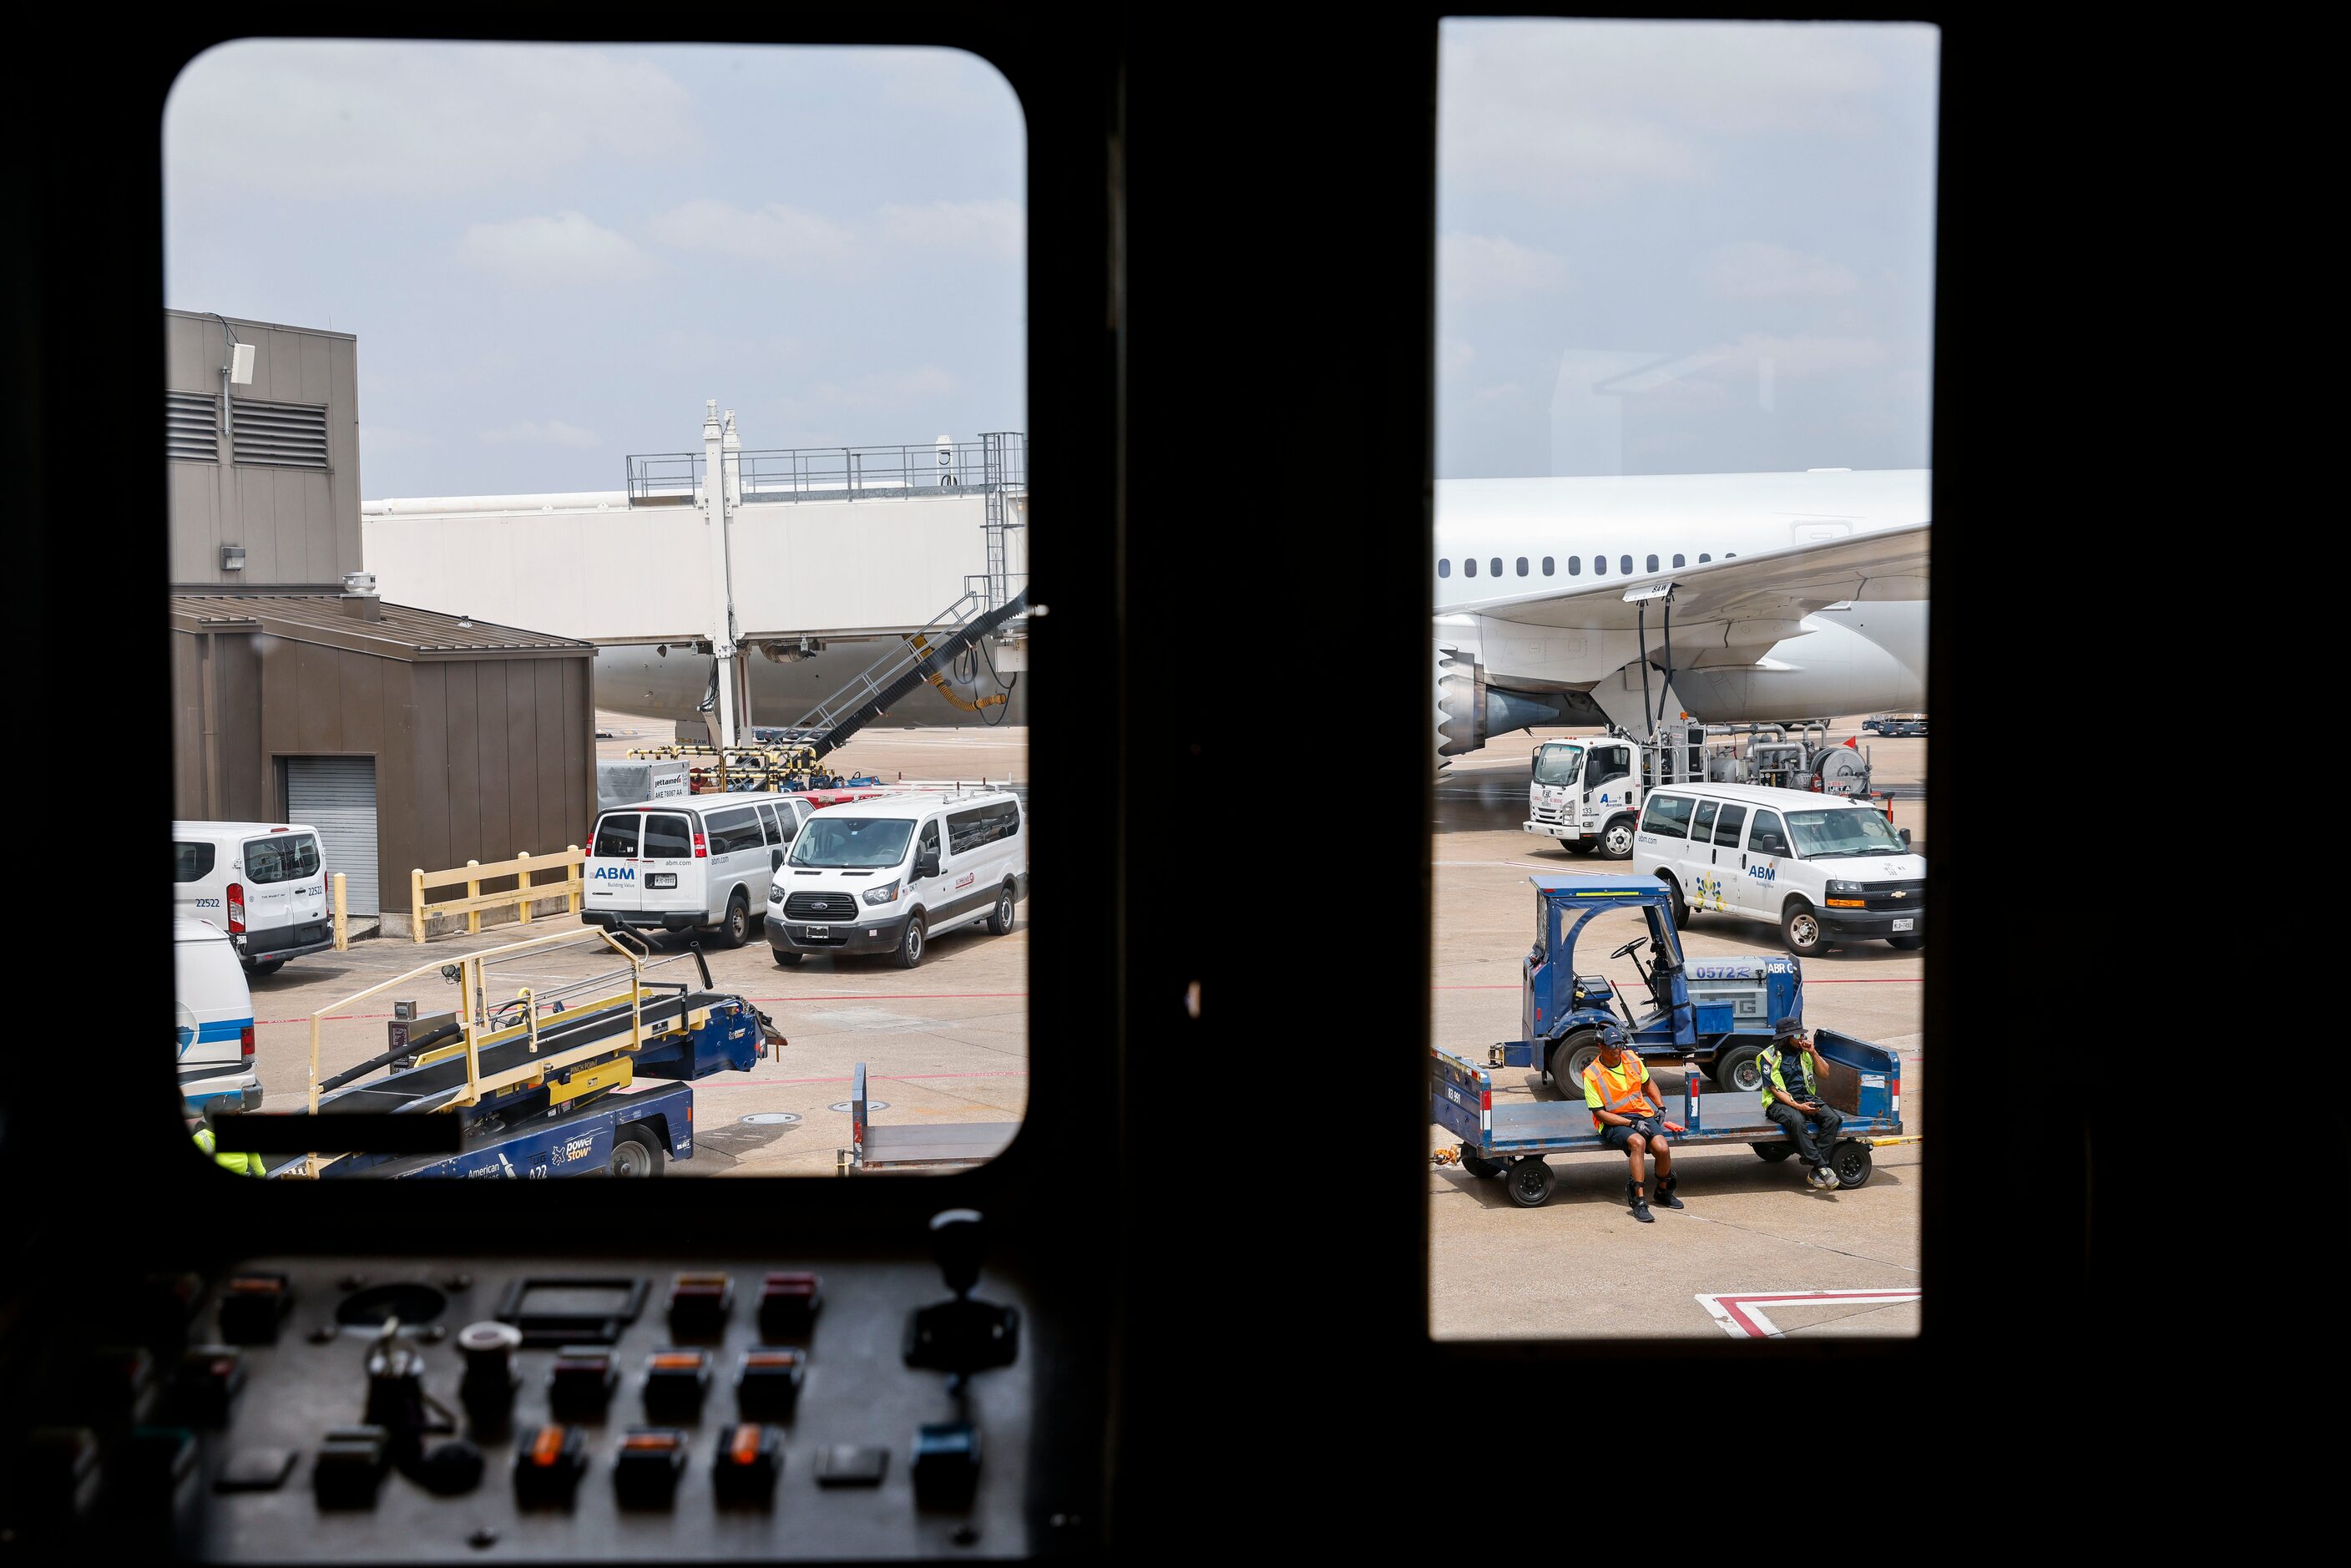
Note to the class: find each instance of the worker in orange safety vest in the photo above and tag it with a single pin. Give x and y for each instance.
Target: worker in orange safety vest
(1630, 1115)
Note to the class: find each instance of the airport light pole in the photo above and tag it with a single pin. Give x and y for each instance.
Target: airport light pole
(716, 472)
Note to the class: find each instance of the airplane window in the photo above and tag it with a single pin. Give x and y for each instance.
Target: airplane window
(1624, 564)
(1600, 566)
(1677, 558)
(1653, 564)
(1444, 567)
(1576, 566)
(1470, 566)
(1522, 566)
(495, 212)
(1498, 566)
(1731, 555)
(1548, 563)
(1703, 556)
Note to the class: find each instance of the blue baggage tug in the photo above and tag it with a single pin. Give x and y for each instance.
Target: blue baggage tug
(1710, 1014)
(1719, 1012)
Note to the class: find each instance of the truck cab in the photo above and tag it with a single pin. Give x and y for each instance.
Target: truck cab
(1719, 1012)
(1586, 793)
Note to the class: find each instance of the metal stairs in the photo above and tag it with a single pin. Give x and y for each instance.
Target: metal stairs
(868, 695)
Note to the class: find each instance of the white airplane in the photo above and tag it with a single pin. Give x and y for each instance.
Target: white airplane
(1793, 595)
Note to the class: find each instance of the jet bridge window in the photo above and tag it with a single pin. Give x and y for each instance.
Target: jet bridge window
(1444, 567)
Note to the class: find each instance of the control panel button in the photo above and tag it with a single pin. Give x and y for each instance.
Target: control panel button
(486, 1389)
(849, 1465)
(646, 1468)
(449, 1468)
(788, 1302)
(208, 1378)
(698, 1306)
(946, 1464)
(675, 1383)
(548, 1466)
(254, 1469)
(351, 1466)
(252, 1306)
(581, 1385)
(748, 1463)
(768, 1383)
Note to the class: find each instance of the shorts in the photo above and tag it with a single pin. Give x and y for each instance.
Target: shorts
(1647, 1126)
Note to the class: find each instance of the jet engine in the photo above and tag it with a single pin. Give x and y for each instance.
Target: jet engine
(1469, 712)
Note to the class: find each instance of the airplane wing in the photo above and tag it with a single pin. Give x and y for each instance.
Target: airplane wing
(1754, 598)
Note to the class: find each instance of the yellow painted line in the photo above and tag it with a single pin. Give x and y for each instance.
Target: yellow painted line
(1881, 1143)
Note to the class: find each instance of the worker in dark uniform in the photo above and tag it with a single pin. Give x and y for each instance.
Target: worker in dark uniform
(1630, 1115)
(1792, 1074)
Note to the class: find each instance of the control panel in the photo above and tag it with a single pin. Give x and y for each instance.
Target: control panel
(307, 1410)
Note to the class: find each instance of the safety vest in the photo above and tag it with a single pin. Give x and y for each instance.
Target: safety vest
(1618, 1090)
(1769, 1061)
(244, 1165)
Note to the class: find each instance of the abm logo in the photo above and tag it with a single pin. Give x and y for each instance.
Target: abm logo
(613, 873)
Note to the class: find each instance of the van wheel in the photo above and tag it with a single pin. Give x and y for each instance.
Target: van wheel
(1681, 904)
(1000, 919)
(634, 1155)
(910, 943)
(1800, 929)
(736, 927)
(1616, 839)
(786, 960)
(1909, 944)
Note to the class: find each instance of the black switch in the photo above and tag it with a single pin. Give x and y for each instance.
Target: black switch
(675, 1383)
(744, 1474)
(788, 1304)
(351, 1466)
(848, 1465)
(646, 1468)
(963, 1334)
(548, 1468)
(252, 1306)
(768, 1383)
(946, 1465)
(209, 1377)
(698, 1305)
(486, 1389)
(581, 1385)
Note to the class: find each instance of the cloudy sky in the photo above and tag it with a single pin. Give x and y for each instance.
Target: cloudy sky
(1684, 247)
(552, 255)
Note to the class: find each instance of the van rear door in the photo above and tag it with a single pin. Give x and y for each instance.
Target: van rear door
(672, 873)
(614, 877)
(285, 885)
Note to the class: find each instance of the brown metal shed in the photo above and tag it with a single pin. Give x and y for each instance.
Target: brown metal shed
(482, 737)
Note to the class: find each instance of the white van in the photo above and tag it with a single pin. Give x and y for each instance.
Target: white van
(886, 875)
(1821, 866)
(215, 1021)
(701, 863)
(263, 883)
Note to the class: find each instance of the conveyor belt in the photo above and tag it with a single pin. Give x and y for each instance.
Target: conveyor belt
(433, 1081)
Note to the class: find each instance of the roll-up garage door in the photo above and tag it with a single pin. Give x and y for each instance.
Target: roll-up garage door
(336, 795)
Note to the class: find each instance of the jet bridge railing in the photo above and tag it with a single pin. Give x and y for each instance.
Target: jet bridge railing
(995, 461)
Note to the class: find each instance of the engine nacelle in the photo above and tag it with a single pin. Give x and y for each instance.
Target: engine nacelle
(1460, 704)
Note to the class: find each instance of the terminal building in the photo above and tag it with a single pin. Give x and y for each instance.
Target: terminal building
(410, 738)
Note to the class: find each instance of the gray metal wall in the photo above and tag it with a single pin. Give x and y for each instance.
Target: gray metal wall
(476, 758)
(299, 526)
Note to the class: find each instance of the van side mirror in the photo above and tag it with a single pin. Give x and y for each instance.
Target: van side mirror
(927, 863)
(1904, 834)
(775, 859)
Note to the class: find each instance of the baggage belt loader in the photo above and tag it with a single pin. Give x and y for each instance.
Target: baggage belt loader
(545, 1082)
(1718, 1013)
(1513, 1141)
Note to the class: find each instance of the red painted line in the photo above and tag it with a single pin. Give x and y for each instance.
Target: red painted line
(871, 1078)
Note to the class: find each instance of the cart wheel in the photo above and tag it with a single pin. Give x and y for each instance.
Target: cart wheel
(1740, 1070)
(1477, 1166)
(1775, 1153)
(1531, 1182)
(1851, 1161)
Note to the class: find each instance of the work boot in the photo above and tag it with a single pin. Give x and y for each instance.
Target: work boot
(1666, 1185)
(1829, 1182)
(1640, 1205)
